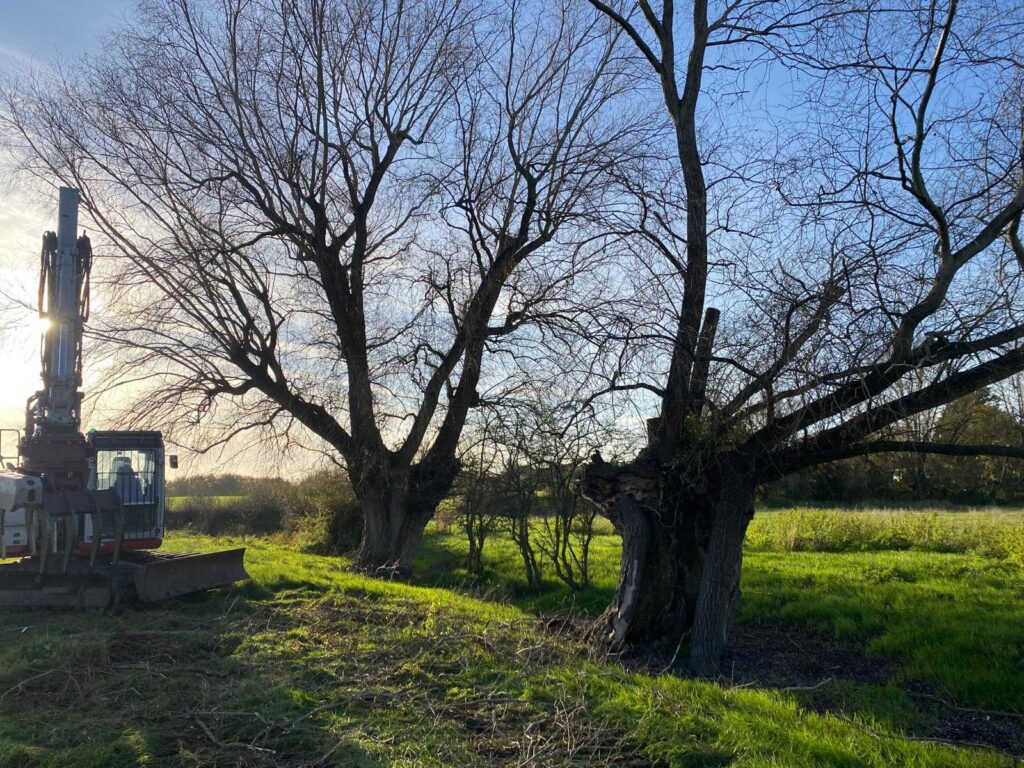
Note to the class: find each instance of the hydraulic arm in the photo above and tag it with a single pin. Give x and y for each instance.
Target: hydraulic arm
(53, 445)
(64, 304)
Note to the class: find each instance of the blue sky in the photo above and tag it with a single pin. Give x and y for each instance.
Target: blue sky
(41, 32)
(46, 29)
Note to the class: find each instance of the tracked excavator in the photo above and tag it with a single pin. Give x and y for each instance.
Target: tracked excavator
(82, 515)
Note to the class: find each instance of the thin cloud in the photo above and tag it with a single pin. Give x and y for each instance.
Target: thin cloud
(7, 52)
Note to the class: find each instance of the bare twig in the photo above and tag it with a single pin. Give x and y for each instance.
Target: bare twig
(814, 687)
(21, 686)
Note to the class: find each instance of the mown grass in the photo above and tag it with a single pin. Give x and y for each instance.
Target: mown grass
(954, 620)
(308, 664)
(940, 593)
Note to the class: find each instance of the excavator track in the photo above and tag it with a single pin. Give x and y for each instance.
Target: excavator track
(22, 585)
(137, 576)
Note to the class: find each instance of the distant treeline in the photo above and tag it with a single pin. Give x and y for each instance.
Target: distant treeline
(321, 510)
(227, 485)
(901, 478)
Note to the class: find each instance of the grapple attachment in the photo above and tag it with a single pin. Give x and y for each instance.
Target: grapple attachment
(56, 575)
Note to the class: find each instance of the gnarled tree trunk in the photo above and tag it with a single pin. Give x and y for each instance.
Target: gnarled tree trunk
(719, 590)
(397, 504)
(681, 554)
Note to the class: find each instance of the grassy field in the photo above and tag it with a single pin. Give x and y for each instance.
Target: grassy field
(874, 645)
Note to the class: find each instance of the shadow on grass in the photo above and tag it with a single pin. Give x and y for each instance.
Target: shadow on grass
(440, 562)
(327, 668)
(954, 621)
(168, 685)
(910, 636)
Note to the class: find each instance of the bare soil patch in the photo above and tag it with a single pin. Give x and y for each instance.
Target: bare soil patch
(781, 655)
(778, 654)
(794, 658)
(1004, 732)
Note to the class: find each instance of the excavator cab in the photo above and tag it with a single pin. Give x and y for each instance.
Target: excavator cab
(132, 465)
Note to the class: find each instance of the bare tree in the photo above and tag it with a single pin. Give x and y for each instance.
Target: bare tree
(318, 215)
(475, 489)
(551, 439)
(842, 252)
(517, 498)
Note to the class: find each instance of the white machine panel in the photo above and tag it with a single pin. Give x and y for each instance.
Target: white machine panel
(17, 493)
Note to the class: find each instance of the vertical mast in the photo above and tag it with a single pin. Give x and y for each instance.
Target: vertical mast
(63, 302)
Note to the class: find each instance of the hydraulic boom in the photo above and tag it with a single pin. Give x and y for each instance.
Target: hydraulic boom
(53, 445)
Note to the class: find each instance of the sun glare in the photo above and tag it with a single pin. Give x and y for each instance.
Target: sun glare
(19, 362)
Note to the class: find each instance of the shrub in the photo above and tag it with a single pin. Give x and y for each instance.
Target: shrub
(326, 517)
(227, 515)
(449, 511)
(319, 512)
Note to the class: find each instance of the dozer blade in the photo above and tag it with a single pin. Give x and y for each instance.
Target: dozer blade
(165, 575)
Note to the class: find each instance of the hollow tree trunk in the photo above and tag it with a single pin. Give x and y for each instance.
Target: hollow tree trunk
(664, 532)
(662, 560)
(681, 556)
(397, 504)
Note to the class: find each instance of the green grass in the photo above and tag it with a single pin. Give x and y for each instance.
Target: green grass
(177, 502)
(994, 533)
(308, 664)
(952, 618)
(441, 556)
